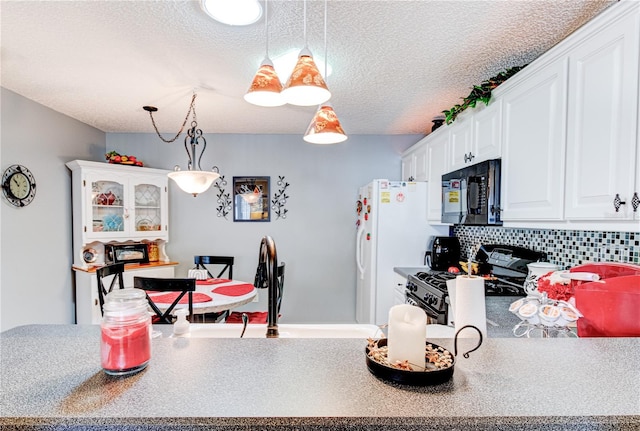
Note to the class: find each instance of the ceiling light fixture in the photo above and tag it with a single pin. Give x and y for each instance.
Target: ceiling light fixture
(233, 12)
(266, 86)
(325, 126)
(306, 86)
(194, 180)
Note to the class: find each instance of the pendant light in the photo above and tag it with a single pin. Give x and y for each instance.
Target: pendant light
(325, 127)
(266, 86)
(194, 180)
(306, 86)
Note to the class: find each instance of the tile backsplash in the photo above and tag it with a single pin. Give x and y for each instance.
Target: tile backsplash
(566, 248)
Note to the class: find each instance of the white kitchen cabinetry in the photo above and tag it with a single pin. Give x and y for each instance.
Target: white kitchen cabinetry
(602, 123)
(533, 154)
(476, 136)
(460, 145)
(399, 288)
(87, 303)
(414, 164)
(117, 203)
(437, 152)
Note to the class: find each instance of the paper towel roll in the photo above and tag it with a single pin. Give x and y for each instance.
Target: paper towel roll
(470, 305)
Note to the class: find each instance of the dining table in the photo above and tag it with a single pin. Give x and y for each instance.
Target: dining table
(212, 295)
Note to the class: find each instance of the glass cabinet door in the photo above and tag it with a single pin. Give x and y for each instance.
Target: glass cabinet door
(147, 207)
(107, 206)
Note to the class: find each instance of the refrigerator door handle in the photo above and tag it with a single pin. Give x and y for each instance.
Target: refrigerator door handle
(359, 251)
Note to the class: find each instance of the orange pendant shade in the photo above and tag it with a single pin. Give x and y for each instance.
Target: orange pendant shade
(266, 87)
(306, 86)
(325, 127)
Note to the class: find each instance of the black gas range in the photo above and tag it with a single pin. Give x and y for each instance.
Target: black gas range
(503, 266)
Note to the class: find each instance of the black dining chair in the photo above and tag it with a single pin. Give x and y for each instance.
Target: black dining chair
(105, 285)
(260, 316)
(206, 263)
(185, 286)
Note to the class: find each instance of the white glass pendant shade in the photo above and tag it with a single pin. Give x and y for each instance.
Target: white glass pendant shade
(194, 182)
(306, 86)
(266, 87)
(325, 127)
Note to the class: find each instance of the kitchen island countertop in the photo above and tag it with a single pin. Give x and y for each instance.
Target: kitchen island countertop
(51, 378)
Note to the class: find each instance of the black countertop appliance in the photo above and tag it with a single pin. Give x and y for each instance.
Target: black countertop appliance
(442, 252)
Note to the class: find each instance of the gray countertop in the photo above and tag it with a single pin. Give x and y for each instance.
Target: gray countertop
(51, 378)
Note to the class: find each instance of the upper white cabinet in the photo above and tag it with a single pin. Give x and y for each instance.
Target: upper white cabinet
(414, 164)
(602, 123)
(533, 154)
(437, 153)
(460, 142)
(117, 203)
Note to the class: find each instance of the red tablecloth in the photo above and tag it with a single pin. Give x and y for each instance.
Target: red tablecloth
(168, 298)
(212, 281)
(234, 289)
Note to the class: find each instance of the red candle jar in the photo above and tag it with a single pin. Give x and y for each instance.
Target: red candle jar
(125, 346)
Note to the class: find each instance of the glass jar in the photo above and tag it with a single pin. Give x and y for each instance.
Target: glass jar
(154, 252)
(125, 346)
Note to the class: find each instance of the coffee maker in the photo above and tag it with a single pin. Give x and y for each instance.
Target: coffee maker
(442, 252)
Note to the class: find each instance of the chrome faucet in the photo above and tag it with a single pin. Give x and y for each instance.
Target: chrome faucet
(268, 271)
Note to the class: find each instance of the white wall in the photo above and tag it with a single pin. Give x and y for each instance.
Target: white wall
(36, 249)
(316, 240)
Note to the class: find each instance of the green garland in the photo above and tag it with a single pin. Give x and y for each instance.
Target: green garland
(480, 93)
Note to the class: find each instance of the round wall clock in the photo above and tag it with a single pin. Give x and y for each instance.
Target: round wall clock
(18, 185)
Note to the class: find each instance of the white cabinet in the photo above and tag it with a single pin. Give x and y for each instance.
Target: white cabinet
(533, 154)
(437, 148)
(476, 136)
(87, 303)
(460, 151)
(117, 203)
(487, 132)
(414, 163)
(602, 123)
(399, 288)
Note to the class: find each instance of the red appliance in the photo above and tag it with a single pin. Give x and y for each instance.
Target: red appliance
(609, 306)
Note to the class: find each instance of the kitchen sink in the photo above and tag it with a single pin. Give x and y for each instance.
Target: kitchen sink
(286, 330)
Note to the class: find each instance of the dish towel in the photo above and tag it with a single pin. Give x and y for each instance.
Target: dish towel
(254, 317)
(234, 289)
(212, 281)
(168, 298)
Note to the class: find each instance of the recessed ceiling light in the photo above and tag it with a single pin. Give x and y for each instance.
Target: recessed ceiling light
(233, 12)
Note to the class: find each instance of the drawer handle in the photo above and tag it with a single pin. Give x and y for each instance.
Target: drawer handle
(635, 202)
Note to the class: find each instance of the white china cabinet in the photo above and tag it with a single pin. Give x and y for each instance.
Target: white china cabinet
(115, 204)
(602, 123)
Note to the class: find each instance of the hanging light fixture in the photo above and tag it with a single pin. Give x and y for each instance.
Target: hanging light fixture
(306, 86)
(325, 127)
(194, 180)
(266, 86)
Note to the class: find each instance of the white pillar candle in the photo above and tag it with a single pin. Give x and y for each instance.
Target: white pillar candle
(469, 306)
(407, 335)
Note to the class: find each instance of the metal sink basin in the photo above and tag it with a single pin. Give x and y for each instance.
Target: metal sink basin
(286, 330)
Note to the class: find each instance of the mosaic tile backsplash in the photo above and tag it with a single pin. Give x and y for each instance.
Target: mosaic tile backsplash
(566, 248)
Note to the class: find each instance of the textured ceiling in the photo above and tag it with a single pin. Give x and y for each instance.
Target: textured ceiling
(396, 64)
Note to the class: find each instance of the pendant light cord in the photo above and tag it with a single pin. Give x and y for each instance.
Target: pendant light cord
(325, 41)
(304, 27)
(266, 25)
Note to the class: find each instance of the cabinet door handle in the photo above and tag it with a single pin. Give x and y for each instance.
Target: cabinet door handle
(468, 157)
(617, 202)
(635, 202)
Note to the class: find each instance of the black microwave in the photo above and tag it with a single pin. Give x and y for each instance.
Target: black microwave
(127, 253)
(471, 195)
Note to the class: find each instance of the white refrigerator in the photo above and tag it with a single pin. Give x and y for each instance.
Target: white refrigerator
(392, 232)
